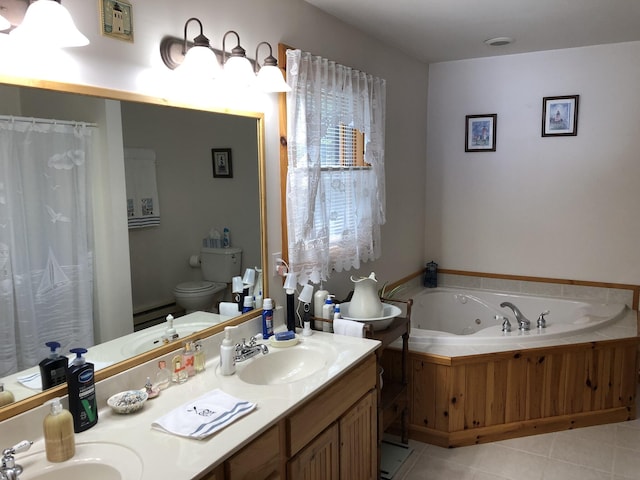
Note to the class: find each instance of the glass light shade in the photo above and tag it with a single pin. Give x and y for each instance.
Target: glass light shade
(238, 71)
(4, 23)
(270, 79)
(48, 23)
(200, 62)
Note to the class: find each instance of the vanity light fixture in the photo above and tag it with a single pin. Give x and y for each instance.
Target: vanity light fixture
(237, 68)
(48, 23)
(233, 68)
(200, 61)
(270, 77)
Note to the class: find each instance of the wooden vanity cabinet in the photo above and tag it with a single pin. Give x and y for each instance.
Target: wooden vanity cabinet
(332, 436)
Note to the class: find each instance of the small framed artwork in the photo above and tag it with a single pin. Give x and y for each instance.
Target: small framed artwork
(480, 133)
(560, 116)
(222, 166)
(116, 19)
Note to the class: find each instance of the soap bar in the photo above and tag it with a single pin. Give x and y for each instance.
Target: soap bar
(285, 335)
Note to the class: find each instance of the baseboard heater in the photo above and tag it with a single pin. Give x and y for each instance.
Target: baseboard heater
(145, 317)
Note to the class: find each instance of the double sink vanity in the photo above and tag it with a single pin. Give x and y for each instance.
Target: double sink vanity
(316, 407)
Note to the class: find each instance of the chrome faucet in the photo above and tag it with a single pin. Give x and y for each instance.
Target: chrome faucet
(10, 470)
(523, 322)
(246, 351)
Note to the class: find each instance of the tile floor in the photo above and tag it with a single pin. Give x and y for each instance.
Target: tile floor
(604, 452)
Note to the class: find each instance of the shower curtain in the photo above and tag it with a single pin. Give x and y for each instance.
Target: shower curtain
(46, 245)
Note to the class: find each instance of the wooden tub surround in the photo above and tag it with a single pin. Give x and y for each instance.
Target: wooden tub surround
(474, 399)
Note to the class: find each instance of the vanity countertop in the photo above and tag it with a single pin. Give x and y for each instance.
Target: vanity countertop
(168, 456)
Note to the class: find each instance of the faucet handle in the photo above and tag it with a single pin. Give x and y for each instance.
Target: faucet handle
(8, 453)
(542, 322)
(506, 324)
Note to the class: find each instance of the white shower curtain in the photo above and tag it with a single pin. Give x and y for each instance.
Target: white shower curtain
(46, 245)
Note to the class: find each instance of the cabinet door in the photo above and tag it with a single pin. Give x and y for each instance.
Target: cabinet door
(318, 460)
(359, 440)
(260, 460)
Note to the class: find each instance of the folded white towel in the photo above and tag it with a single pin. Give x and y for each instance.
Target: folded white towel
(34, 381)
(350, 328)
(204, 416)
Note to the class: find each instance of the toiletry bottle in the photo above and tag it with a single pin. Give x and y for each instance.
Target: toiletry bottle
(53, 369)
(82, 392)
(258, 300)
(226, 238)
(318, 302)
(163, 376)
(267, 318)
(188, 359)
(170, 334)
(327, 313)
(152, 391)
(228, 353)
(200, 358)
(59, 441)
(179, 374)
(6, 397)
(248, 304)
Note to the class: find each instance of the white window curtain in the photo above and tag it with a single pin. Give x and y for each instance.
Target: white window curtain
(334, 208)
(46, 245)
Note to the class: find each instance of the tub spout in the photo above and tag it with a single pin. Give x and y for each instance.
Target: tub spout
(523, 322)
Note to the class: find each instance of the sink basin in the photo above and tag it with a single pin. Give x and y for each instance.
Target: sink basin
(144, 340)
(94, 460)
(284, 365)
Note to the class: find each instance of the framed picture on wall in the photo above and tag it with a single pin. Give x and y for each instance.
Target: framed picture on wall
(560, 116)
(480, 133)
(222, 167)
(116, 19)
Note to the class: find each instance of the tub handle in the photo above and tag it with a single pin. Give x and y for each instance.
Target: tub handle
(542, 322)
(506, 324)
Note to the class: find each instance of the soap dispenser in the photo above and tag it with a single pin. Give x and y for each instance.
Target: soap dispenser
(82, 392)
(59, 441)
(228, 353)
(53, 369)
(6, 397)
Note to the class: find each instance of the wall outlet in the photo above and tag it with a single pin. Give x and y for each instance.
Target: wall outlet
(279, 267)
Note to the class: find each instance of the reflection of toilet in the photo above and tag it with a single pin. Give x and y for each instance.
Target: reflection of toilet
(218, 265)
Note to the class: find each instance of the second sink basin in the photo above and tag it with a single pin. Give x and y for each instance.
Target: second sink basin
(93, 460)
(284, 365)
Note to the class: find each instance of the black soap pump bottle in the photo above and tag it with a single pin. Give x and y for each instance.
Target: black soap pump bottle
(53, 369)
(82, 392)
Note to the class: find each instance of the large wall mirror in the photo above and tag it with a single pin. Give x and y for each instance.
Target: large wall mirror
(193, 200)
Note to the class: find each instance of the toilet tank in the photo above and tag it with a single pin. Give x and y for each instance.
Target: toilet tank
(220, 264)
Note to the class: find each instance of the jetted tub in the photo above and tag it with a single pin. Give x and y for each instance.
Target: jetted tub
(449, 316)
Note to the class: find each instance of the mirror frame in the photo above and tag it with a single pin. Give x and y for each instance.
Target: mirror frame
(38, 399)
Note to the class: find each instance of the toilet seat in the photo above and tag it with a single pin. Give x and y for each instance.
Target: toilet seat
(198, 286)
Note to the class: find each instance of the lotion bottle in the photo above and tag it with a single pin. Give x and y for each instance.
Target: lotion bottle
(59, 441)
(327, 313)
(6, 397)
(228, 353)
(53, 369)
(318, 302)
(82, 392)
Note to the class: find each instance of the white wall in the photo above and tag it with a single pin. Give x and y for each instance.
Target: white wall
(553, 207)
(137, 67)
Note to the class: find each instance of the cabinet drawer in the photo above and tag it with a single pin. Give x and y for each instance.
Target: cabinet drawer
(258, 460)
(326, 407)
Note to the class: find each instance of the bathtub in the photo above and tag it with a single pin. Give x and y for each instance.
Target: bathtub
(469, 382)
(449, 316)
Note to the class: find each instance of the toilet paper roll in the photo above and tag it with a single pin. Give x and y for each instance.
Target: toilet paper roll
(194, 261)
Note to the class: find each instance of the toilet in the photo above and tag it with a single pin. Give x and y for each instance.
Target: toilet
(218, 266)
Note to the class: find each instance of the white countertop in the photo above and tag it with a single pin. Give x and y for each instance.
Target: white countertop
(168, 456)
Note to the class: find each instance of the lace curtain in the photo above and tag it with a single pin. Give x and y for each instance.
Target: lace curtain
(46, 248)
(334, 212)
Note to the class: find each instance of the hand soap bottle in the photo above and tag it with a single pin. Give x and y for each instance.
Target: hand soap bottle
(59, 441)
(228, 353)
(6, 397)
(82, 392)
(53, 369)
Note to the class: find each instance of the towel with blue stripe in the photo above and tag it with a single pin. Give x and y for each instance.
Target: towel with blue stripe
(204, 416)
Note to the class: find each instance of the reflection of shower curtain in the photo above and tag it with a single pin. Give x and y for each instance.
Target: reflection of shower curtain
(46, 245)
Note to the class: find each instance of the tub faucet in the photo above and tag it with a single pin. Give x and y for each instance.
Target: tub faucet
(245, 351)
(523, 322)
(10, 470)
